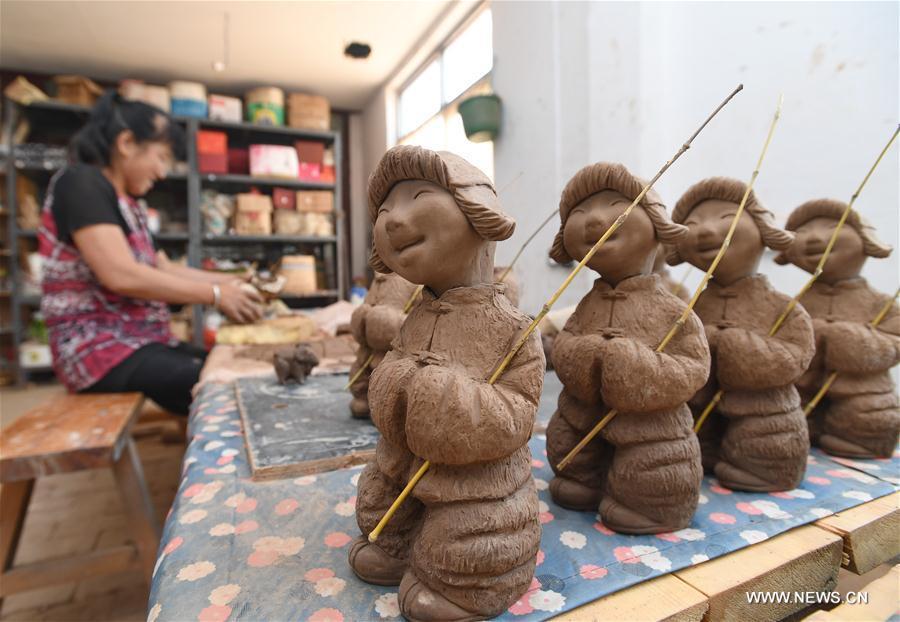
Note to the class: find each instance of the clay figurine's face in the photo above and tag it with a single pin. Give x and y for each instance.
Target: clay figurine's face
(708, 225)
(421, 234)
(846, 258)
(628, 252)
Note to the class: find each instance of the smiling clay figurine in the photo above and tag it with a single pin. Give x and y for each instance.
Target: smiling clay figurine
(643, 470)
(859, 417)
(375, 324)
(756, 439)
(463, 545)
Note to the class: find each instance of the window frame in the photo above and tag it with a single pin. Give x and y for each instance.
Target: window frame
(438, 54)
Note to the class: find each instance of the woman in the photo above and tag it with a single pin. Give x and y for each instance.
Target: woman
(104, 293)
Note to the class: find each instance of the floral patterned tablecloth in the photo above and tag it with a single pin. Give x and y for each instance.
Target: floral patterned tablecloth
(235, 549)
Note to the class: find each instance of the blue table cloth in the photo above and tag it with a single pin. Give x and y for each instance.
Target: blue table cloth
(235, 549)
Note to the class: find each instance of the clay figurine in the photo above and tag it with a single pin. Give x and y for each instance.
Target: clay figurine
(643, 469)
(756, 438)
(295, 365)
(659, 267)
(375, 324)
(463, 545)
(859, 416)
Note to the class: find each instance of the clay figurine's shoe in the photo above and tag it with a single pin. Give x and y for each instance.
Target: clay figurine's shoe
(837, 446)
(573, 495)
(373, 565)
(734, 478)
(419, 603)
(625, 520)
(359, 408)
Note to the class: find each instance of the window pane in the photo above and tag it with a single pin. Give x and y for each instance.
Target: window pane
(421, 99)
(479, 154)
(432, 135)
(469, 57)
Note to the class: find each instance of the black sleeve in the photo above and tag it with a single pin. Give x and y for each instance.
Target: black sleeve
(83, 197)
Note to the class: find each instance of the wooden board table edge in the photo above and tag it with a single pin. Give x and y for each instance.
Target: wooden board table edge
(662, 598)
(870, 532)
(806, 558)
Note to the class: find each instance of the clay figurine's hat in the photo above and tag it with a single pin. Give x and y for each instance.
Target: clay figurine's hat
(472, 190)
(831, 208)
(602, 176)
(732, 190)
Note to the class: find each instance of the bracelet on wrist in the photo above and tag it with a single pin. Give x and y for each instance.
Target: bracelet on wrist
(217, 295)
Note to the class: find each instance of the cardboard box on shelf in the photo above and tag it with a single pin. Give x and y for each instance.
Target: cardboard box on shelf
(309, 111)
(253, 215)
(316, 224)
(265, 105)
(283, 198)
(77, 90)
(319, 201)
(311, 151)
(238, 161)
(288, 222)
(224, 108)
(273, 161)
(309, 172)
(154, 95)
(212, 152)
(300, 274)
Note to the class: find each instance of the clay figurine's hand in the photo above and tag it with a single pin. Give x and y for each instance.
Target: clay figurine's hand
(239, 303)
(430, 358)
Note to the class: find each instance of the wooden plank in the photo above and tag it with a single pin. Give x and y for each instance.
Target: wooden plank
(301, 429)
(68, 570)
(69, 433)
(804, 559)
(662, 598)
(882, 604)
(14, 499)
(871, 532)
(138, 506)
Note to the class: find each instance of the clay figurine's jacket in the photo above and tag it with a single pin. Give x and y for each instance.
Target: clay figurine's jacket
(845, 341)
(628, 322)
(755, 371)
(430, 398)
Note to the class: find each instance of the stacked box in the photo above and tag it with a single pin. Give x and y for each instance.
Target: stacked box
(253, 215)
(309, 112)
(224, 108)
(212, 152)
(273, 161)
(317, 201)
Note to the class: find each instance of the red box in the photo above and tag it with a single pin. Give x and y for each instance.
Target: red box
(283, 198)
(310, 172)
(311, 151)
(239, 161)
(212, 142)
(213, 163)
(327, 176)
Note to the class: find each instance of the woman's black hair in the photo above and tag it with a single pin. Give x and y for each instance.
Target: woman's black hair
(112, 115)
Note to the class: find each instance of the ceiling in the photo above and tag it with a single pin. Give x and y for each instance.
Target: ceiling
(295, 45)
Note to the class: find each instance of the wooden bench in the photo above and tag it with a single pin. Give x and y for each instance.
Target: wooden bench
(72, 433)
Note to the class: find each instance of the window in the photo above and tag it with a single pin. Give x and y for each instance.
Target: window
(426, 110)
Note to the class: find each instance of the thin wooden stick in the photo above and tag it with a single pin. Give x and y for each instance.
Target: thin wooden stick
(518, 346)
(795, 300)
(807, 410)
(527, 242)
(368, 361)
(702, 286)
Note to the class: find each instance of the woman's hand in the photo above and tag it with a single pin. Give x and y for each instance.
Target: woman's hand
(240, 303)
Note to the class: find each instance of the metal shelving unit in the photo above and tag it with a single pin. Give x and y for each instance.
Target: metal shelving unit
(196, 244)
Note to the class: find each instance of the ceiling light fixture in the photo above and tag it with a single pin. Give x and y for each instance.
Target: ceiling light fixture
(358, 50)
(221, 65)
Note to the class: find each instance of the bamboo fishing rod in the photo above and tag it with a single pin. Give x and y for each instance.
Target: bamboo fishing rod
(373, 536)
(795, 300)
(702, 286)
(807, 410)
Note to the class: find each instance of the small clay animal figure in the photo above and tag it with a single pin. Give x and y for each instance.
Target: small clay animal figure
(859, 416)
(294, 366)
(463, 545)
(756, 439)
(643, 469)
(375, 324)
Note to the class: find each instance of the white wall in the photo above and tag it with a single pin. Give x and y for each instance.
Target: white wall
(630, 82)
